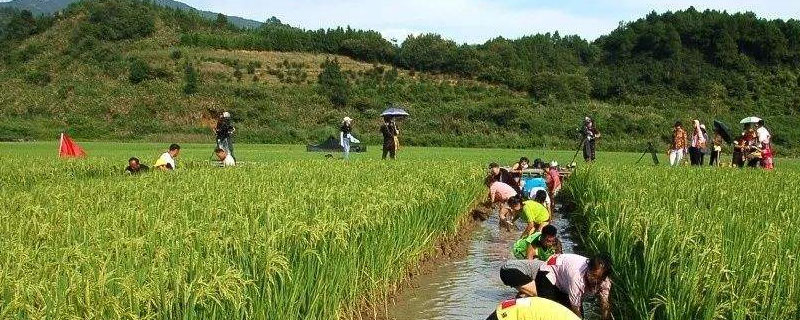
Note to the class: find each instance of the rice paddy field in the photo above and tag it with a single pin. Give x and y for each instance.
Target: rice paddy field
(290, 234)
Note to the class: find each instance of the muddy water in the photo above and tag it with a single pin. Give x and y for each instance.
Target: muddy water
(469, 287)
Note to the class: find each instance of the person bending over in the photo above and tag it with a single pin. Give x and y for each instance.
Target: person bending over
(533, 212)
(519, 274)
(573, 276)
(532, 308)
(540, 245)
(499, 194)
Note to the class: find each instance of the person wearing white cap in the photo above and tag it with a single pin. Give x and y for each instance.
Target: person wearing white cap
(224, 131)
(346, 136)
(590, 135)
(704, 150)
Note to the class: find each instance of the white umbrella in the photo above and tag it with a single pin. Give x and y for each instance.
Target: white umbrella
(750, 120)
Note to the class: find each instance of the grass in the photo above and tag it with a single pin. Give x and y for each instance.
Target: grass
(696, 243)
(290, 234)
(270, 241)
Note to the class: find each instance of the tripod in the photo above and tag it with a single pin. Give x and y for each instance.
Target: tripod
(652, 150)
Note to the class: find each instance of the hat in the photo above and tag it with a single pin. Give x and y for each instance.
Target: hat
(226, 114)
(702, 126)
(554, 164)
(347, 119)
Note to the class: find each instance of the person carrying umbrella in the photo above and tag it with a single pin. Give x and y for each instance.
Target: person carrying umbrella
(390, 132)
(722, 136)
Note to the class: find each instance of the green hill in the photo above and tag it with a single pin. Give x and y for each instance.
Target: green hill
(49, 7)
(119, 70)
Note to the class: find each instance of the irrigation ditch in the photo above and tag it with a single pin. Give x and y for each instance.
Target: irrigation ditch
(464, 282)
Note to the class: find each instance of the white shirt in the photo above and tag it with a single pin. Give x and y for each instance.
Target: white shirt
(763, 135)
(166, 158)
(228, 161)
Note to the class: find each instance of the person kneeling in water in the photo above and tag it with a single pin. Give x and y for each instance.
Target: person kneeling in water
(531, 308)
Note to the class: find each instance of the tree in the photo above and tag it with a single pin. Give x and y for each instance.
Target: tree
(221, 21)
(190, 78)
(332, 83)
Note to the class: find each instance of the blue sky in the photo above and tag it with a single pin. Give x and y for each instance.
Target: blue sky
(475, 21)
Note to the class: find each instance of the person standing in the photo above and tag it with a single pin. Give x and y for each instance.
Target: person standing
(346, 136)
(390, 132)
(765, 145)
(679, 141)
(698, 142)
(167, 160)
(704, 148)
(224, 131)
(716, 152)
(590, 135)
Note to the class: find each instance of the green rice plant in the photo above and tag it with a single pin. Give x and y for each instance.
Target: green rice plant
(309, 239)
(695, 243)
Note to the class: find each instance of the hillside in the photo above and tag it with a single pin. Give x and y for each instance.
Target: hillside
(48, 7)
(88, 74)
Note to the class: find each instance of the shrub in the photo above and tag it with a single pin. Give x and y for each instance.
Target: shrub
(176, 54)
(38, 77)
(191, 80)
(138, 70)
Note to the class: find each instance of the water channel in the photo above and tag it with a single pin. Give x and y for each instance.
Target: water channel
(469, 287)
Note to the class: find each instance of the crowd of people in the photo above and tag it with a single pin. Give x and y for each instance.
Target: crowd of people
(753, 148)
(550, 284)
(223, 151)
(388, 130)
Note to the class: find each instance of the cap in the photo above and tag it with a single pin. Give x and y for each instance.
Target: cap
(554, 164)
(226, 114)
(347, 119)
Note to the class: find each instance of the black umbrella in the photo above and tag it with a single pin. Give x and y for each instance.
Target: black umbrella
(394, 112)
(723, 131)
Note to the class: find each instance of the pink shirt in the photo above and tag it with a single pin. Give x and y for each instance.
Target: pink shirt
(566, 271)
(555, 178)
(500, 191)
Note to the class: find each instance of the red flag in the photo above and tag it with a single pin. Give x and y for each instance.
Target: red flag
(69, 149)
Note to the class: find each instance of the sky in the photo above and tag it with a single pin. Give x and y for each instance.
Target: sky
(475, 21)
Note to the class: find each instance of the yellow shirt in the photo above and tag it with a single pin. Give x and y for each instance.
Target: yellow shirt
(534, 309)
